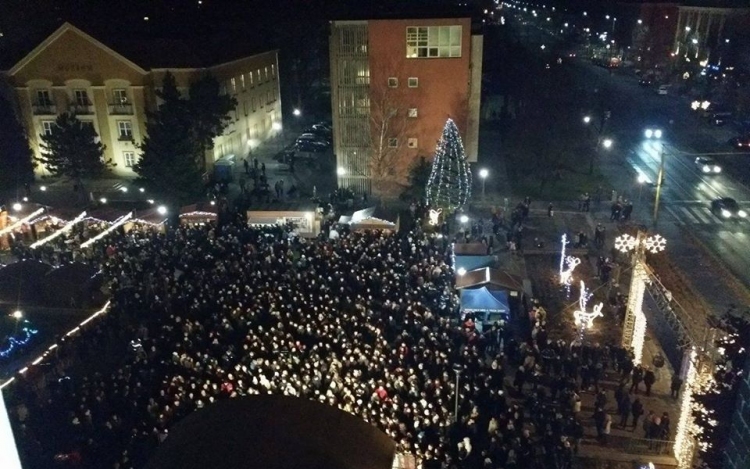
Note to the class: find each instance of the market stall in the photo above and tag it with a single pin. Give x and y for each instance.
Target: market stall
(199, 214)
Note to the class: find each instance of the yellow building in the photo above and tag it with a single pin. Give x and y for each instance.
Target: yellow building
(72, 71)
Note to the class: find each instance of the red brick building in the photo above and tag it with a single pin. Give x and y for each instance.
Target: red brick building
(394, 83)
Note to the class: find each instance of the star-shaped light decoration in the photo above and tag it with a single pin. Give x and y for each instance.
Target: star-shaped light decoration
(656, 243)
(653, 244)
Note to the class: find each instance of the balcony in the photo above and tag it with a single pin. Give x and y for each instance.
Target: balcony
(122, 109)
(44, 109)
(81, 109)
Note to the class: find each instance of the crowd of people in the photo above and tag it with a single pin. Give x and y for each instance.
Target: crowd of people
(366, 322)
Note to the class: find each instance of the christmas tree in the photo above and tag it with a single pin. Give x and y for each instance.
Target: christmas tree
(449, 185)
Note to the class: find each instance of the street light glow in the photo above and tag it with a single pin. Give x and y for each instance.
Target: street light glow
(276, 126)
(43, 188)
(103, 200)
(483, 173)
(586, 119)
(341, 171)
(18, 314)
(162, 210)
(17, 206)
(642, 179)
(607, 142)
(297, 112)
(464, 219)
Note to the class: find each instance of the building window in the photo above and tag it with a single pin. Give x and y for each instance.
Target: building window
(234, 85)
(392, 82)
(266, 72)
(119, 96)
(433, 41)
(47, 127)
(413, 82)
(81, 97)
(393, 142)
(125, 130)
(257, 75)
(250, 76)
(242, 81)
(43, 98)
(129, 157)
(413, 143)
(273, 71)
(413, 112)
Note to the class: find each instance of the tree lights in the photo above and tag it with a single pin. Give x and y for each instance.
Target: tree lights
(449, 185)
(585, 319)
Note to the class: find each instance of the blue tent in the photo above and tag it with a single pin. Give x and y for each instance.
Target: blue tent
(484, 300)
(472, 262)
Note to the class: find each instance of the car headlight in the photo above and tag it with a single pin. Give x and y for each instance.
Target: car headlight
(649, 133)
(742, 213)
(657, 133)
(706, 169)
(725, 213)
(717, 169)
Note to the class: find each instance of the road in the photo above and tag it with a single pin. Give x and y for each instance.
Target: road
(687, 192)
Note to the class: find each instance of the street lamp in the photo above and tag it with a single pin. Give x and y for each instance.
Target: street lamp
(161, 210)
(297, 112)
(341, 171)
(463, 219)
(653, 133)
(17, 207)
(483, 173)
(458, 368)
(586, 119)
(43, 188)
(17, 315)
(103, 200)
(642, 179)
(607, 143)
(276, 126)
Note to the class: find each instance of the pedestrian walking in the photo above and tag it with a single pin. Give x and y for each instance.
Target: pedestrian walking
(636, 410)
(637, 378)
(649, 378)
(676, 385)
(550, 211)
(246, 165)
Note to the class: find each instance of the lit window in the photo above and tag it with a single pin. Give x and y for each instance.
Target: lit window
(433, 41)
(234, 85)
(393, 142)
(125, 130)
(242, 82)
(258, 76)
(413, 112)
(119, 96)
(273, 71)
(413, 82)
(266, 71)
(413, 143)
(392, 82)
(47, 127)
(129, 157)
(252, 82)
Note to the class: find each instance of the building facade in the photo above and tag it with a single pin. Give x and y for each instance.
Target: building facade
(394, 83)
(71, 71)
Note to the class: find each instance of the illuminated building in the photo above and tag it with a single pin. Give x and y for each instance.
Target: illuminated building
(394, 82)
(113, 91)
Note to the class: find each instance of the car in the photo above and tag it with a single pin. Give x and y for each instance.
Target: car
(727, 208)
(645, 82)
(653, 131)
(310, 137)
(707, 165)
(308, 146)
(321, 132)
(663, 90)
(742, 141)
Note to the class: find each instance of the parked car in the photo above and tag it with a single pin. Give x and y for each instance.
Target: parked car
(310, 137)
(645, 82)
(309, 146)
(727, 208)
(663, 89)
(321, 132)
(707, 165)
(742, 141)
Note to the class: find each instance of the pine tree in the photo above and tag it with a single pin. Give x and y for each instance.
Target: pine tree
(73, 150)
(449, 186)
(16, 161)
(170, 159)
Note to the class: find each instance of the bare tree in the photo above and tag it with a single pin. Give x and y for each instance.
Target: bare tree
(388, 124)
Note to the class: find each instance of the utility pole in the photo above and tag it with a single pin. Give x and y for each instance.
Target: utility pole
(659, 180)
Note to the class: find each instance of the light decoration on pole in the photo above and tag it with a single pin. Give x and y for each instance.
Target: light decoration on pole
(59, 232)
(20, 222)
(567, 265)
(634, 327)
(449, 185)
(119, 222)
(684, 444)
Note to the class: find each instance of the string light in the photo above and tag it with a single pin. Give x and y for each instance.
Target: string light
(20, 222)
(435, 216)
(15, 343)
(59, 232)
(585, 319)
(449, 185)
(683, 443)
(119, 222)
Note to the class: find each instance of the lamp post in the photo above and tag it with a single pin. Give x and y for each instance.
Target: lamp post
(17, 315)
(642, 179)
(458, 368)
(483, 173)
